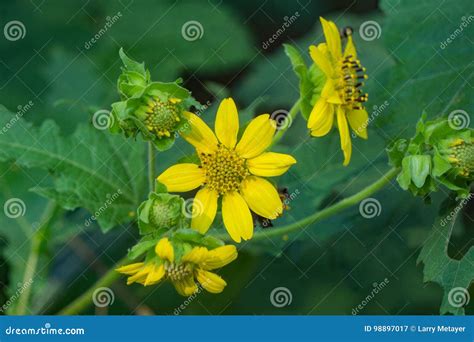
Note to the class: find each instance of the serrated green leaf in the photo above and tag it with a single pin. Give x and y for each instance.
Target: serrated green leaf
(91, 169)
(454, 276)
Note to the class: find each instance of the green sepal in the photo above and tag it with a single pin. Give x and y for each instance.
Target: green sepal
(194, 237)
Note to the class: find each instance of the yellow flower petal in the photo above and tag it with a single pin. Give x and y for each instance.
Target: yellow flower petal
(210, 281)
(321, 119)
(141, 275)
(237, 217)
(257, 137)
(155, 275)
(197, 255)
(227, 123)
(350, 49)
(346, 144)
(270, 164)
(182, 177)
(262, 197)
(333, 39)
(358, 120)
(199, 135)
(321, 59)
(186, 286)
(204, 209)
(219, 257)
(130, 269)
(165, 250)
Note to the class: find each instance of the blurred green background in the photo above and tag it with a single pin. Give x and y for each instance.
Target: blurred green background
(330, 267)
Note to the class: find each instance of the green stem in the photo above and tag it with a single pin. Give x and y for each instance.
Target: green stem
(37, 240)
(151, 167)
(289, 119)
(326, 212)
(85, 300)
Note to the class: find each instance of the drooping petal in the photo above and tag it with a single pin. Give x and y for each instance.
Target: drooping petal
(262, 197)
(130, 269)
(165, 250)
(350, 49)
(140, 276)
(210, 281)
(321, 119)
(270, 164)
(227, 123)
(257, 137)
(219, 257)
(345, 137)
(358, 120)
(182, 177)
(204, 209)
(197, 255)
(237, 217)
(333, 39)
(186, 286)
(155, 275)
(199, 134)
(321, 59)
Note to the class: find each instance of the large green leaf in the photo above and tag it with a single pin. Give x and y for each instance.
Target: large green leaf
(454, 276)
(431, 44)
(91, 169)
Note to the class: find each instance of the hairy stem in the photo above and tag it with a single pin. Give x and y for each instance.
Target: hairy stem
(151, 167)
(326, 212)
(37, 240)
(85, 300)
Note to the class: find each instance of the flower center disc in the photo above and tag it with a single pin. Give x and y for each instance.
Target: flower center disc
(177, 272)
(352, 75)
(224, 169)
(464, 154)
(161, 118)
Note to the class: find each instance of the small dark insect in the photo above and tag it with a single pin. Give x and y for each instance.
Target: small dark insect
(346, 31)
(267, 223)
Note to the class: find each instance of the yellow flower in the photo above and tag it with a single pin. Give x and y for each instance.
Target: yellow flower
(341, 95)
(194, 265)
(231, 170)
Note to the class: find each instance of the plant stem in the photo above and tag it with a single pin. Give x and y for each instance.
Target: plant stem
(151, 167)
(37, 240)
(85, 300)
(288, 120)
(326, 212)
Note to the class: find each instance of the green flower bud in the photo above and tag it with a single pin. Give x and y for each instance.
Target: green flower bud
(153, 109)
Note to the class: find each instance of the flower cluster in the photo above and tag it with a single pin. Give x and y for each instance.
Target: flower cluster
(438, 154)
